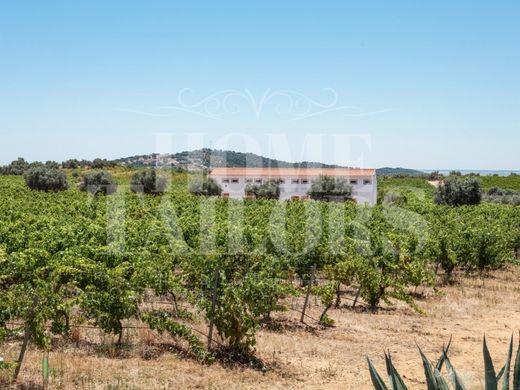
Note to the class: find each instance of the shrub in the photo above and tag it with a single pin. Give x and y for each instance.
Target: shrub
(395, 197)
(17, 167)
(330, 188)
(204, 186)
(267, 190)
(487, 246)
(148, 182)
(52, 164)
(98, 182)
(391, 258)
(435, 175)
(70, 164)
(99, 163)
(46, 179)
(248, 288)
(503, 196)
(457, 192)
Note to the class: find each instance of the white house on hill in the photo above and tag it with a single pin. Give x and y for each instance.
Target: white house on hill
(295, 182)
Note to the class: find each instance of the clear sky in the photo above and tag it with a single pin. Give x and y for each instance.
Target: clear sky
(375, 83)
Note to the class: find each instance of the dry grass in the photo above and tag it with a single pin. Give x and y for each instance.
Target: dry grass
(321, 359)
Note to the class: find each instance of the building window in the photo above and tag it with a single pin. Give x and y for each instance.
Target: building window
(225, 180)
(367, 182)
(353, 182)
(234, 180)
(305, 181)
(249, 181)
(281, 181)
(295, 181)
(258, 180)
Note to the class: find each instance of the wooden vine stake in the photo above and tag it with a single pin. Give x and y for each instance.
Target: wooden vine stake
(307, 294)
(357, 297)
(214, 290)
(26, 340)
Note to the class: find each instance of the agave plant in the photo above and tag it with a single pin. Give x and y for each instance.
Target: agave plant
(435, 380)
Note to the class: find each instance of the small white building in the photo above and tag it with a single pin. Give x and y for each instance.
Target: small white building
(295, 182)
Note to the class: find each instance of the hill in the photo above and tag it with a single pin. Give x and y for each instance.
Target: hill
(387, 171)
(202, 159)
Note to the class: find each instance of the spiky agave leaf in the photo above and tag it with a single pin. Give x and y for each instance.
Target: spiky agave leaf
(455, 379)
(507, 367)
(516, 375)
(436, 381)
(500, 373)
(377, 381)
(489, 370)
(434, 378)
(428, 371)
(444, 355)
(395, 378)
(440, 382)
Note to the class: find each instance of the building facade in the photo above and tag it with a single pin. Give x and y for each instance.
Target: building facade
(295, 182)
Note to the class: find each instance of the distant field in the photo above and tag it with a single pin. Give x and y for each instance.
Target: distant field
(506, 182)
(415, 184)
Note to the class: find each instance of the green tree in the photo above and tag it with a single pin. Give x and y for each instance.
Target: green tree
(99, 182)
(204, 186)
(16, 167)
(435, 175)
(99, 163)
(52, 164)
(149, 182)
(456, 191)
(70, 164)
(267, 190)
(329, 188)
(46, 179)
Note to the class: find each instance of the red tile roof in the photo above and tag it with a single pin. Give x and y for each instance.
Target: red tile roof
(275, 172)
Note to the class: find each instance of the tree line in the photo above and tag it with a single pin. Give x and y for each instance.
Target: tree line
(20, 165)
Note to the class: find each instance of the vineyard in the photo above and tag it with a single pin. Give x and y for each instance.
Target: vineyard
(210, 273)
(511, 182)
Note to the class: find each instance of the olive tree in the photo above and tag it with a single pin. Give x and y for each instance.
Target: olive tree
(330, 188)
(204, 186)
(16, 167)
(267, 190)
(46, 179)
(456, 191)
(98, 182)
(149, 182)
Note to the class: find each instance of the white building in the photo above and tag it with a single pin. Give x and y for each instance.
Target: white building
(295, 182)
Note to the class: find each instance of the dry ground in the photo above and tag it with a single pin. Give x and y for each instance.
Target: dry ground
(332, 358)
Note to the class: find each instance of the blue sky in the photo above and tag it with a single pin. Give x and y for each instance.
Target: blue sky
(373, 83)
